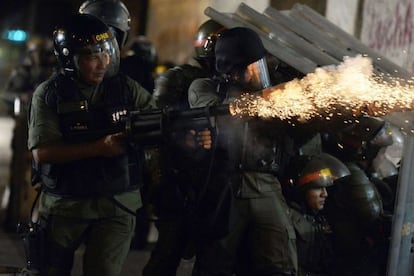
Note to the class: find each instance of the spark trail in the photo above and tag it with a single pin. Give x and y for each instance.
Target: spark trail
(348, 90)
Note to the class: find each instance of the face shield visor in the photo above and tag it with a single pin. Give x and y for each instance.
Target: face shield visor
(383, 167)
(107, 51)
(383, 137)
(259, 74)
(395, 151)
(254, 77)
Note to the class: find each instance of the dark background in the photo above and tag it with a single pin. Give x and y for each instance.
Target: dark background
(41, 16)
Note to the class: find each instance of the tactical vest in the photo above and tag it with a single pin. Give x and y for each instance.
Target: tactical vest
(255, 145)
(313, 241)
(83, 121)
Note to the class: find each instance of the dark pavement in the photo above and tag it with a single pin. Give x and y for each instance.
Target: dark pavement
(11, 247)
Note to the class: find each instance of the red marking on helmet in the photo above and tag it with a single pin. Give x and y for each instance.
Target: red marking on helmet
(314, 176)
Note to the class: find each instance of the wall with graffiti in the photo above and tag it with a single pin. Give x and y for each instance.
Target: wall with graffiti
(388, 28)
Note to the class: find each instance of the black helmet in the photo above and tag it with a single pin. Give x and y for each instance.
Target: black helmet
(40, 51)
(363, 139)
(84, 34)
(236, 48)
(320, 170)
(141, 46)
(241, 56)
(206, 37)
(114, 13)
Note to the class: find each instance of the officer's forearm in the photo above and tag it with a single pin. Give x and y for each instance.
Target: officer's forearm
(60, 153)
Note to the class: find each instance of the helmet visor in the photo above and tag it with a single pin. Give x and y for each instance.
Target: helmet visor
(258, 75)
(383, 137)
(106, 51)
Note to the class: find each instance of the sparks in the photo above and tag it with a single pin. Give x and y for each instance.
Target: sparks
(347, 90)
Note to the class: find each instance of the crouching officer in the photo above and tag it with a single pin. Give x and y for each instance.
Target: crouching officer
(314, 174)
(90, 173)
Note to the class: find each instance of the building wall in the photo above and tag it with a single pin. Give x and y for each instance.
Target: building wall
(388, 28)
(383, 25)
(172, 24)
(343, 14)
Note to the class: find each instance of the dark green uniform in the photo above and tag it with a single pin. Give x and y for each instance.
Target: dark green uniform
(313, 240)
(248, 157)
(106, 228)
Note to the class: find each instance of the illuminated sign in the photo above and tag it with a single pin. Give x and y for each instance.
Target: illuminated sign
(15, 35)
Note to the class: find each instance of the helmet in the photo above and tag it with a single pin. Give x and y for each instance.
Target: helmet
(363, 139)
(241, 55)
(142, 47)
(206, 37)
(367, 129)
(320, 170)
(236, 48)
(40, 51)
(114, 13)
(84, 34)
(338, 169)
(394, 152)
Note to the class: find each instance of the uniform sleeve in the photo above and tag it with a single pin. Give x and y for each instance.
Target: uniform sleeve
(43, 121)
(202, 92)
(143, 100)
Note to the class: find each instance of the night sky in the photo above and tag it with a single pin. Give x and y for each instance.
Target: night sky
(35, 16)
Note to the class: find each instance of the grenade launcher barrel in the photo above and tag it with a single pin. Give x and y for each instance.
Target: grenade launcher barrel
(151, 128)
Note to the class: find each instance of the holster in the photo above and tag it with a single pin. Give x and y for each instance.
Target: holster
(33, 235)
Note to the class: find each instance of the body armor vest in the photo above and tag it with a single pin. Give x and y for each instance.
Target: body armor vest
(254, 145)
(82, 121)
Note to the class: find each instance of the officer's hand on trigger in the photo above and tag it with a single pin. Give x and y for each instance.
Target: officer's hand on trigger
(199, 139)
(112, 144)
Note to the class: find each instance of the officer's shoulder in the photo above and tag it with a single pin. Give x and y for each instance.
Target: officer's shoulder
(131, 83)
(203, 83)
(135, 87)
(47, 86)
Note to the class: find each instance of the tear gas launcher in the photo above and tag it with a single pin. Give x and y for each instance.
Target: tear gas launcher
(150, 128)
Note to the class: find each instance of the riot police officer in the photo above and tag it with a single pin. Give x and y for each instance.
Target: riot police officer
(313, 175)
(138, 55)
(171, 87)
(243, 202)
(116, 15)
(89, 172)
